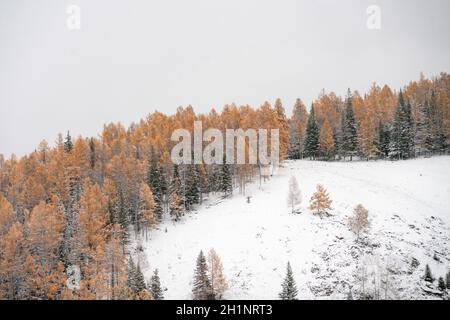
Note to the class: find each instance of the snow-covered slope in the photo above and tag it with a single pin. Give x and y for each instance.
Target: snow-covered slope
(408, 203)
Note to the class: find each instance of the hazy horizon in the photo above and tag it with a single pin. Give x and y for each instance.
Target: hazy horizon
(130, 59)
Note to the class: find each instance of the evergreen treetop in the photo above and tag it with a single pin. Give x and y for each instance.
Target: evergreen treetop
(68, 144)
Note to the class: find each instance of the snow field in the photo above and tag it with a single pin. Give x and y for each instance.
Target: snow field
(408, 209)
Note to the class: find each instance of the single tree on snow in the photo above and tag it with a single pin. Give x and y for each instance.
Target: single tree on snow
(216, 276)
(288, 287)
(320, 203)
(359, 221)
(155, 286)
(294, 195)
(441, 284)
(428, 276)
(202, 287)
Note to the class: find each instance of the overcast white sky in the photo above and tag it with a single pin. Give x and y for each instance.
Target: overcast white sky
(133, 57)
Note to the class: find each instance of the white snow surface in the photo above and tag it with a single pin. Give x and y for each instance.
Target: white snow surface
(409, 211)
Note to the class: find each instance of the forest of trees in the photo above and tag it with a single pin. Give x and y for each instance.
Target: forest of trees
(415, 121)
(80, 202)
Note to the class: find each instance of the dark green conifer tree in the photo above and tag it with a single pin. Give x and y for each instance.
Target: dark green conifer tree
(155, 286)
(441, 284)
(383, 140)
(192, 186)
(68, 144)
(428, 276)
(226, 186)
(349, 130)
(312, 136)
(202, 289)
(288, 287)
(154, 181)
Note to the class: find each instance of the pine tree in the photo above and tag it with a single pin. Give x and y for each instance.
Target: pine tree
(71, 187)
(383, 140)
(394, 143)
(177, 201)
(294, 195)
(428, 276)
(225, 179)
(407, 135)
(202, 287)
(401, 142)
(203, 180)
(441, 284)
(131, 281)
(349, 130)
(176, 185)
(320, 203)
(337, 137)
(155, 286)
(295, 147)
(68, 145)
(423, 136)
(140, 281)
(154, 182)
(136, 281)
(288, 287)
(192, 186)
(438, 128)
(312, 136)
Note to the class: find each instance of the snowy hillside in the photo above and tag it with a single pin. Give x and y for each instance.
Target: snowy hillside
(409, 211)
